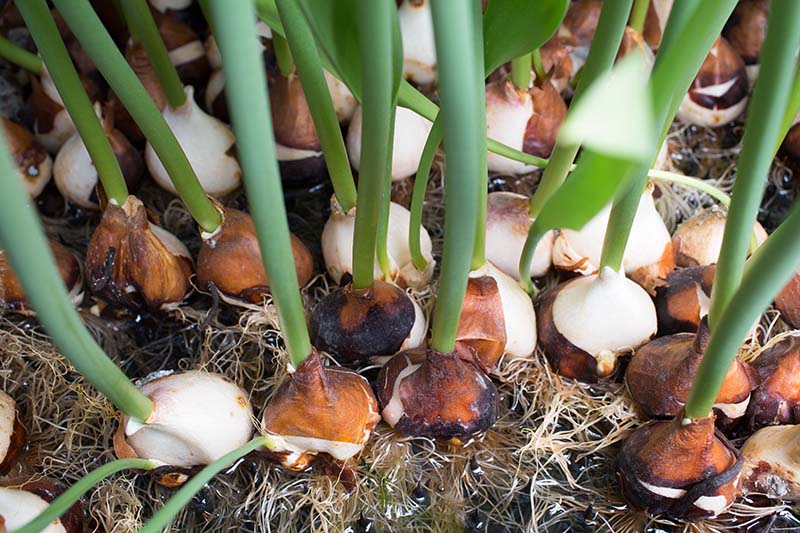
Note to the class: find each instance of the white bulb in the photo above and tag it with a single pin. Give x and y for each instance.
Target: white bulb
(74, 173)
(18, 507)
(419, 47)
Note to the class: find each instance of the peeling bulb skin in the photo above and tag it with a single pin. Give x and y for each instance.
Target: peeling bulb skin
(34, 164)
(718, 94)
(788, 301)
(777, 398)
(337, 247)
(424, 393)
(13, 435)
(655, 21)
(320, 410)
(684, 299)
(419, 48)
(685, 470)
(186, 50)
(772, 463)
(131, 262)
(207, 143)
(746, 30)
(585, 324)
(354, 325)
(410, 133)
(557, 64)
(21, 504)
(197, 418)
(579, 24)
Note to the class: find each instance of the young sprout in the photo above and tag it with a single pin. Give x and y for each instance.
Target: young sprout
(419, 49)
(34, 164)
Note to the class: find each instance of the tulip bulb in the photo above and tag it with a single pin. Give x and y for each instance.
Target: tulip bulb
(337, 247)
(186, 50)
(634, 43)
(680, 467)
(524, 120)
(684, 299)
(746, 30)
(410, 133)
(557, 64)
(577, 29)
(424, 393)
(772, 463)
(419, 48)
(52, 124)
(791, 143)
(207, 143)
(344, 102)
(33, 162)
(162, 6)
(788, 301)
(12, 433)
(20, 505)
(586, 323)
(197, 418)
(718, 94)
(777, 398)
(655, 21)
(320, 410)
(131, 262)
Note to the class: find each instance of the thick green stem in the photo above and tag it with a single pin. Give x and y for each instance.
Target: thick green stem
(461, 91)
(620, 223)
(479, 246)
(249, 108)
(762, 126)
(20, 57)
(639, 14)
(23, 239)
(97, 43)
(375, 32)
(538, 66)
(521, 72)
(283, 53)
(309, 69)
(140, 20)
(418, 195)
(180, 499)
(59, 65)
(382, 235)
(67, 499)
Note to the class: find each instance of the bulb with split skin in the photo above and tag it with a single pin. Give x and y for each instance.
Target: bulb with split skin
(419, 48)
(410, 133)
(13, 435)
(230, 260)
(684, 299)
(745, 31)
(52, 125)
(12, 295)
(197, 418)
(648, 257)
(337, 247)
(655, 21)
(586, 323)
(661, 373)
(319, 409)
(681, 467)
(131, 262)
(772, 463)
(718, 94)
(525, 120)
(22, 502)
(425, 393)
(207, 143)
(776, 400)
(34, 164)
(185, 48)
(788, 301)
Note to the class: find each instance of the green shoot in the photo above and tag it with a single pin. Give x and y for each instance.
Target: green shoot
(19, 56)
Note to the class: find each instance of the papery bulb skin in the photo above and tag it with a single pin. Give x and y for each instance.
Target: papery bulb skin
(424, 393)
(186, 50)
(577, 29)
(777, 398)
(52, 124)
(207, 143)
(419, 48)
(648, 257)
(197, 418)
(410, 133)
(633, 43)
(524, 120)
(698, 240)
(772, 463)
(655, 21)
(354, 325)
(34, 164)
(684, 299)
(13, 435)
(12, 295)
(661, 373)
(788, 301)
(507, 225)
(746, 30)
(25, 501)
(344, 102)
(586, 323)
(337, 247)
(230, 259)
(718, 94)
(557, 64)
(497, 318)
(680, 467)
(320, 410)
(131, 262)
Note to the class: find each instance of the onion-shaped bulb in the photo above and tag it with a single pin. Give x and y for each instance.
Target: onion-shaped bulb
(319, 410)
(197, 418)
(12, 433)
(524, 120)
(718, 94)
(185, 49)
(34, 164)
(344, 102)
(772, 463)
(788, 301)
(777, 398)
(585, 324)
(577, 29)
(648, 257)
(557, 63)
(684, 299)
(52, 124)
(207, 143)
(419, 48)
(634, 43)
(21, 504)
(410, 133)
(746, 30)
(337, 247)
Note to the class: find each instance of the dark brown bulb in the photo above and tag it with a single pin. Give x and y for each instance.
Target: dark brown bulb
(185, 49)
(33, 162)
(12, 295)
(788, 301)
(777, 398)
(481, 336)
(580, 23)
(684, 299)
(747, 28)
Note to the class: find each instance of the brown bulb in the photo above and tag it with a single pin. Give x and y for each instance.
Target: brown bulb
(684, 299)
(662, 371)
(747, 28)
(319, 410)
(13, 435)
(131, 262)
(788, 301)
(230, 259)
(557, 63)
(29, 498)
(52, 124)
(579, 24)
(682, 468)
(777, 398)
(186, 50)
(354, 325)
(481, 336)
(33, 162)
(12, 295)
(425, 393)
(656, 21)
(549, 111)
(633, 42)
